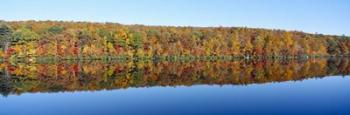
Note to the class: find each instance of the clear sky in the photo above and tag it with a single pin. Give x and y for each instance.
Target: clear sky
(322, 16)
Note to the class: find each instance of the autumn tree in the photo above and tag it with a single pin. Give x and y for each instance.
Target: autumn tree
(234, 44)
(95, 40)
(26, 38)
(258, 44)
(289, 46)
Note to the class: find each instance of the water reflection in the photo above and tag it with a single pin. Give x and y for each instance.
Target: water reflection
(96, 75)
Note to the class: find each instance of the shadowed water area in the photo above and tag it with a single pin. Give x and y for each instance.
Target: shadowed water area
(310, 86)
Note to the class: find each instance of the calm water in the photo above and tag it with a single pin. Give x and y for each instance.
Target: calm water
(238, 87)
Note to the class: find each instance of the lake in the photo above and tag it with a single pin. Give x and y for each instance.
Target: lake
(312, 86)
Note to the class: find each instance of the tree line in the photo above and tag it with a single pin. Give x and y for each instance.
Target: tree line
(80, 40)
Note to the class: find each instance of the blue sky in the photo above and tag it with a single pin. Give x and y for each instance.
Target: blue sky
(322, 16)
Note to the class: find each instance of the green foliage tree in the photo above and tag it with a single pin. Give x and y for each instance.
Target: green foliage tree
(55, 30)
(332, 47)
(24, 35)
(5, 36)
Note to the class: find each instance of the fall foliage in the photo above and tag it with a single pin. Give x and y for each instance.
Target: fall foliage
(86, 40)
(98, 75)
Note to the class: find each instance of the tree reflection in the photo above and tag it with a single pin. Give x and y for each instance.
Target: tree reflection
(96, 75)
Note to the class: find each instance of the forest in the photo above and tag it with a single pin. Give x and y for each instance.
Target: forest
(107, 41)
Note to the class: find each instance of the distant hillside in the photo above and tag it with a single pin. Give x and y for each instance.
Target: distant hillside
(75, 40)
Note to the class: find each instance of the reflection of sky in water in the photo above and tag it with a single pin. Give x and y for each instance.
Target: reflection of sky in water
(313, 96)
